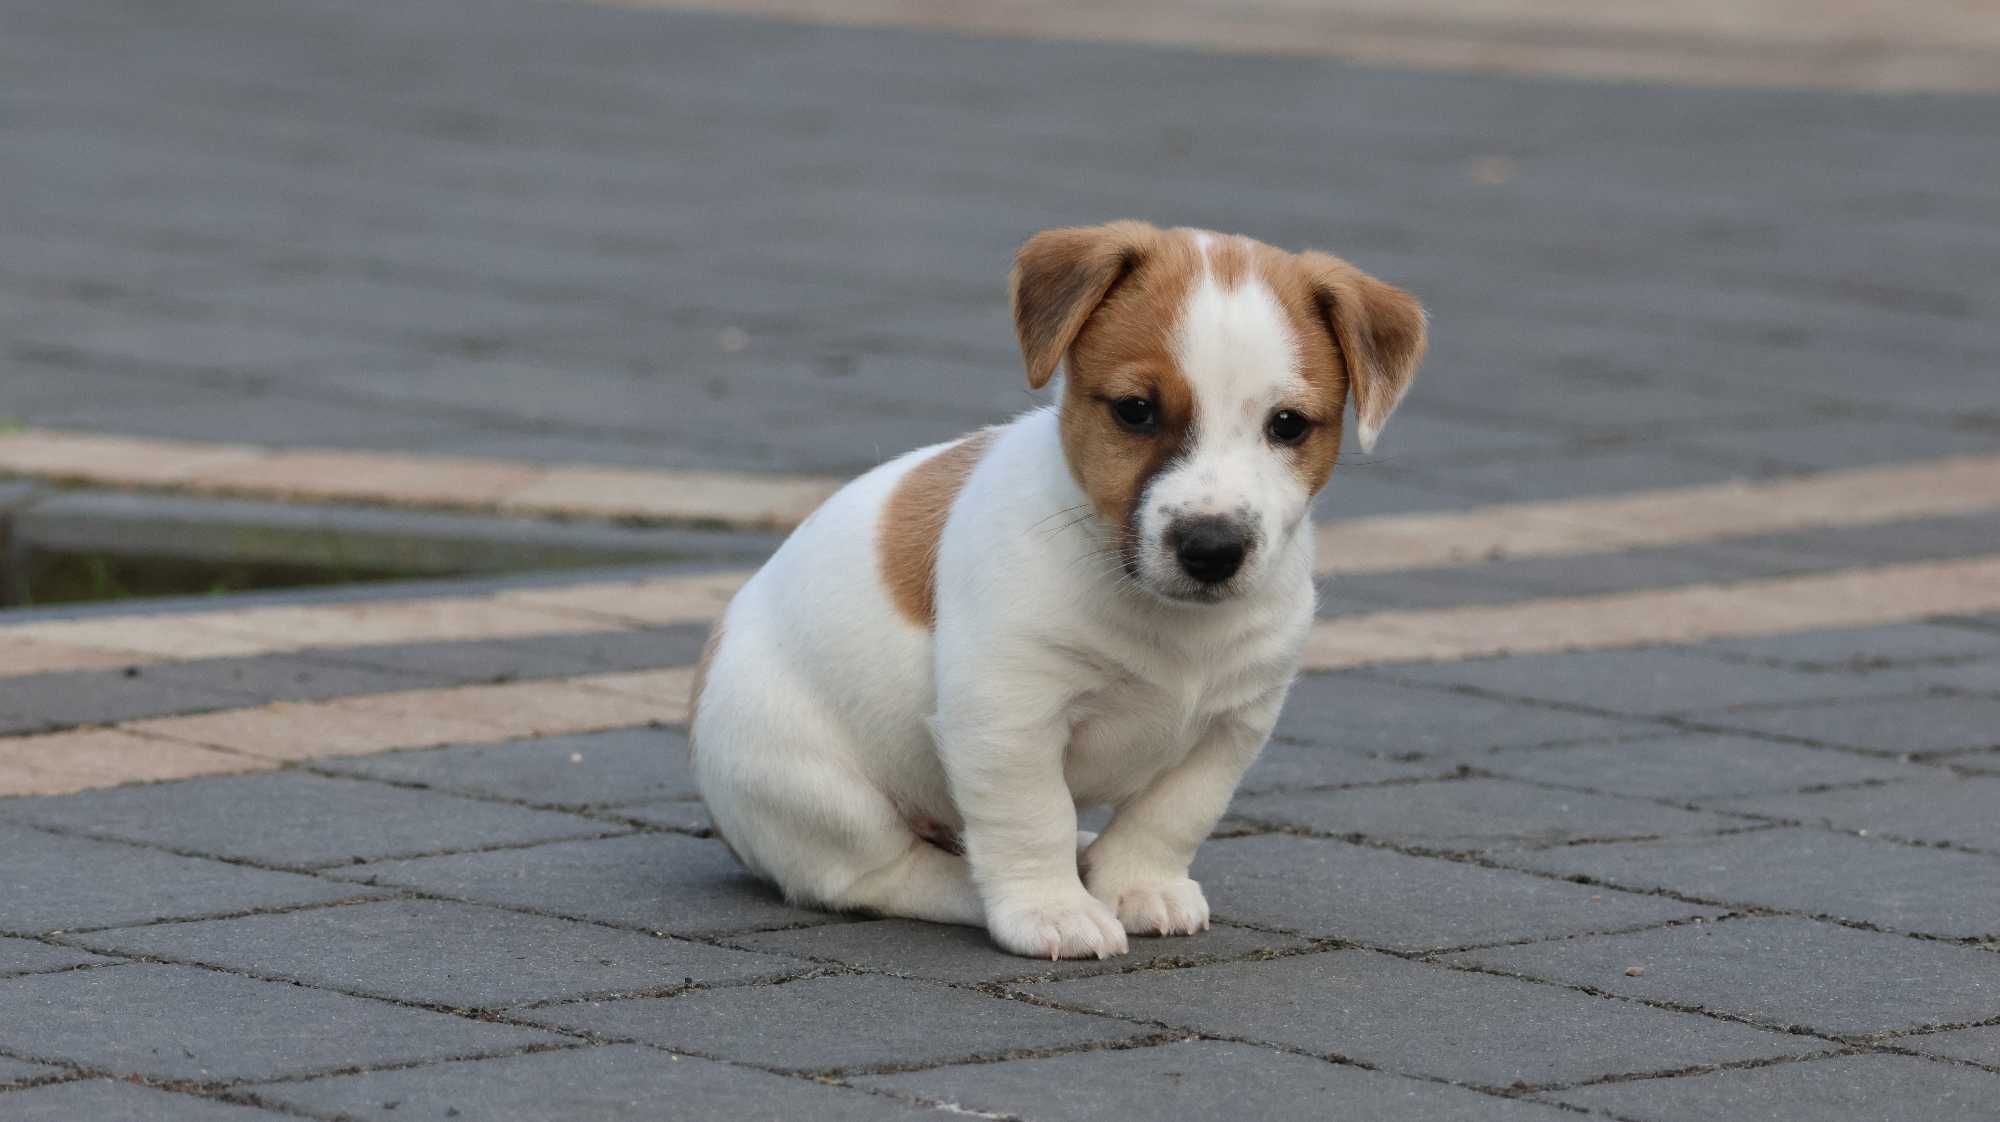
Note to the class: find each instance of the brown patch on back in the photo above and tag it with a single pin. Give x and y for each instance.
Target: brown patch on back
(913, 521)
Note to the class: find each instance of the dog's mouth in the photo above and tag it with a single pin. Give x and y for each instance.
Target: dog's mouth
(1174, 588)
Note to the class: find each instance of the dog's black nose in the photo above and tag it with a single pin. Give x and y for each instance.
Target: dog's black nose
(1210, 549)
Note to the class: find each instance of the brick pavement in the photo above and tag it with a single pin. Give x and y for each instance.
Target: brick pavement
(455, 869)
(1482, 889)
(1925, 44)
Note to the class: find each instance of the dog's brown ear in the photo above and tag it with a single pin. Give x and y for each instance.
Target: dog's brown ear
(1060, 277)
(1379, 331)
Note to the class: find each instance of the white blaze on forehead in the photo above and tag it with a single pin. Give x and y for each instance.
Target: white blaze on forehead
(1235, 348)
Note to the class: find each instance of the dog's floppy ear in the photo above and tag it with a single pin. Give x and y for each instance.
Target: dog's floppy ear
(1379, 331)
(1060, 277)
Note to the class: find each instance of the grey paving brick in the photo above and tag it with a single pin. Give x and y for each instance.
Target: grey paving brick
(102, 1100)
(126, 884)
(1847, 443)
(1283, 765)
(946, 953)
(1370, 491)
(1910, 725)
(1777, 971)
(269, 678)
(1958, 811)
(351, 541)
(601, 1084)
(1514, 579)
(460, 955)
(1432, 436)
(50, 701)
(594, 769)
(1635, 681)
(1899, 887)
(1476, 814)
(1199, 1079)
(18, 493)
(1691, 768)
(383, 307)
(1363, 714)
(545, 656)
(1922, 539)
(13, 1072)
(810, 1025)
(275, 416)
(1859, 649)
(661, 882)
(1406, 590)
(1574, 475)
(1978, 763)
(182, 1022)
(1880, 1088)
(43, 392)
(27, 956)
(642, 648)
(296, 819)
(685, 815)
(1981, 677)
(193, 343)
(1328, 889)
(1415, 1019)
(1981, 1045)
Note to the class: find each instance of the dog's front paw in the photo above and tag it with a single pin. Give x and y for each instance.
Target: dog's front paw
(1174, 906)
(1061, 924)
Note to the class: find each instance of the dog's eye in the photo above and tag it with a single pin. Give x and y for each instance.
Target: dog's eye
(1136, 413)
(1288, 427)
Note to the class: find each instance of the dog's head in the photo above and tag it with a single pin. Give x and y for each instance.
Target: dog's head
(1206, 386)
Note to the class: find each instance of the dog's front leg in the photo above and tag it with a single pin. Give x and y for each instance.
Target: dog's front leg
(1139, 866)
(1005, 764)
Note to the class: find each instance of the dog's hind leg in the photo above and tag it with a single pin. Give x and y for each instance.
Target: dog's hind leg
(828, 838)
(922, 882)
(848, 849)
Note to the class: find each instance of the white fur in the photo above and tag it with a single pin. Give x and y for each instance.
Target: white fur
(1235, 348)
(1053, 680)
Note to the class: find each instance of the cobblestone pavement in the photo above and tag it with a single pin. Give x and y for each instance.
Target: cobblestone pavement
(431, 851)
(1916, 45)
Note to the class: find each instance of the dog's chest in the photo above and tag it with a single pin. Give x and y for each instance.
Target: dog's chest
(1147, 719)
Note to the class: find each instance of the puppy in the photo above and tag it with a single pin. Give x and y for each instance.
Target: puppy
(1101, 602)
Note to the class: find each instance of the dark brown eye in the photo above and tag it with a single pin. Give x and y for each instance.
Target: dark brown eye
(1288, 427)
(1136, 414)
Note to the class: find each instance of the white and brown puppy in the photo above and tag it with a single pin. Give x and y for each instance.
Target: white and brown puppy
(1100, 602)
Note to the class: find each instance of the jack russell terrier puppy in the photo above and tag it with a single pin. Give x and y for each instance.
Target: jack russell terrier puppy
(1101, 602)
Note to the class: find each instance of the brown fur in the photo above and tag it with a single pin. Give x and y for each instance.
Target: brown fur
(1059, 278)
(1231, 258)
(1125, 349)
(1108, 298)
(1378, 327)
(913, 521)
